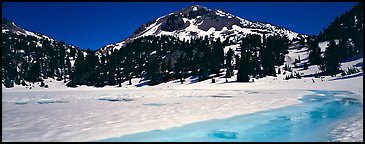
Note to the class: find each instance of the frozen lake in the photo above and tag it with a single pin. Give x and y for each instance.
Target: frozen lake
(179, 115)
(311, 120)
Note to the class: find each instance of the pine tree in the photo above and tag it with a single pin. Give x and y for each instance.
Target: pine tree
(279, 71)
(216, 56)
(34, 72)
(179, 66)
(79, 68)
(152, 69)
(305, 67)
(163, 67)
(8, 83)
(229, 70)
(268, 57)
(68, 67)
(242, 75)
(243, 67)
(314, 57)
(331, 60)
(237, 60)
(62, 55)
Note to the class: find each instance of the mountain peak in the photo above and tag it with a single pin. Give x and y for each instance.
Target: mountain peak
(185, 12)
(199, 21)
(10, 25)
(197, 7)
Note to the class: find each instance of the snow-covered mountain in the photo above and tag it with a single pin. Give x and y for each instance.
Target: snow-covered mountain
(31, 56)
(199, 21)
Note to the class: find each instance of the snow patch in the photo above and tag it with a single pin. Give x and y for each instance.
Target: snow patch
(195, 8)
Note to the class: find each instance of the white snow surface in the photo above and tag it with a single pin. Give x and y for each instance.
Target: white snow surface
(195, 8)
(78, 115)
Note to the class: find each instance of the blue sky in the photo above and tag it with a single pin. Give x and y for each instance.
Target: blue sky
(95, 24)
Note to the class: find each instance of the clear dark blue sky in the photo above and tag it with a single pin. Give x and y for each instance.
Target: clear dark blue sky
(95, 24)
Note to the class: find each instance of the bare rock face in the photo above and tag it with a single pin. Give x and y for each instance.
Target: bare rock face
(194, 11)
(173, 22)
(218, 22)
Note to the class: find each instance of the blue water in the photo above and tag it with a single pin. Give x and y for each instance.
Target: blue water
(311, 120)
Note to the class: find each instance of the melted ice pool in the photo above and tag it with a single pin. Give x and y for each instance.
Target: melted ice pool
(312, 120)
